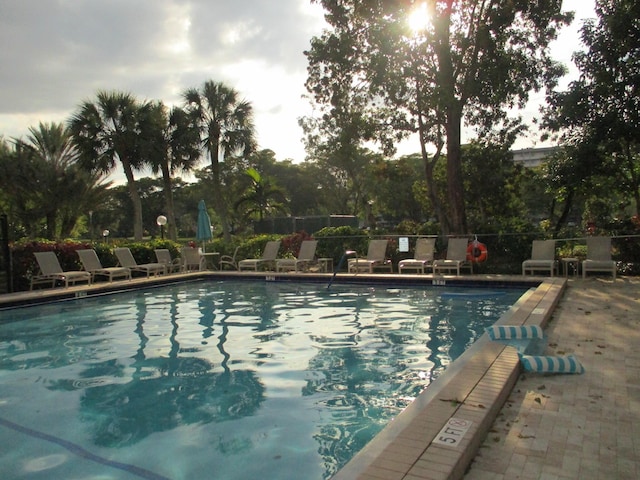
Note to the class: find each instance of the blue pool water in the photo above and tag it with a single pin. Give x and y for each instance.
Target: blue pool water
(222, 380)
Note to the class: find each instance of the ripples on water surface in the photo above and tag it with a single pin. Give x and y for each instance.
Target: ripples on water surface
(228, 380)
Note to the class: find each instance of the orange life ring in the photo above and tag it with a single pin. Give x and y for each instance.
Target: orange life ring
(477, 252)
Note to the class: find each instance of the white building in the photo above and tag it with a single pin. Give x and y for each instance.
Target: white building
(532, 157)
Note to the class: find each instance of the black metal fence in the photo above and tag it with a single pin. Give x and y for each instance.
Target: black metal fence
(5, 256)
(505, 253)
(309, 224)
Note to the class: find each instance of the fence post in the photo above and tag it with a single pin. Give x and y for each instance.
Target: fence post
(6, 254)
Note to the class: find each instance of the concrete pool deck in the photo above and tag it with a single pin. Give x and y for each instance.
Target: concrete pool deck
(437, 436)
(576, 426)
(515, 426)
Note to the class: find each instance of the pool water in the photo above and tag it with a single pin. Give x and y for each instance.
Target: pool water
(222, 380)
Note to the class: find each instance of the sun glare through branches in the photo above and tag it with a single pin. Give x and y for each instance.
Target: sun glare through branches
(418, 19)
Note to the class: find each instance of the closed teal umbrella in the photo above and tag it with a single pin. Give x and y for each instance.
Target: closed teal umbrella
(203, 232)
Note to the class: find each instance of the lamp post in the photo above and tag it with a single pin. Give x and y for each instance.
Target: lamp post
(161, 221)
(105, 235)
(91, 225)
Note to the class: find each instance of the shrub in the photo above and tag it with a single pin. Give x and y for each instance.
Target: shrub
(291, 243)
(254, 246)
(25, 265)
(334, 241)
(144, 252)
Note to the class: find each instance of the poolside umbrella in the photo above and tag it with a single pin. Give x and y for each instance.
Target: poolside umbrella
(203, 232)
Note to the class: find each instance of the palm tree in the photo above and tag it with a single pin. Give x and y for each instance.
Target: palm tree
(53, 154)
(84, 192)
(226, 125)
(47, 182)
(112, 129)
(262, 197)
(176, 147)
(18, 183)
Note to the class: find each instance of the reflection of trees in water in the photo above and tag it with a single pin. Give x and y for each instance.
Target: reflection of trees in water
(164, 392)
(45, 349)
(367, 381)
(252, 306)
(125, 414)
(349, 387)
(360, 388)
(459, 323)
(338, 443)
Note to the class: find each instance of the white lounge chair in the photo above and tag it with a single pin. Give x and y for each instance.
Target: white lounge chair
(51, 271)
(423, 257)
(227, 260)
(163, 255)
(305, 257)
(376, 258)
(543, 257)
(192, 260)
(599, 257)
(456, 257)
(91, 263)
(125, 259)
(268, 257)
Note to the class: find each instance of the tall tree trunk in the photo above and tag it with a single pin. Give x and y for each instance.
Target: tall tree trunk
(218, 197)
(172, 230)
(218, 201)
(453, 112)
(67, 224)
(434, 198)
(455, 185)
(51, 225)
(562, 220)
(429, 163)
(135, 199)
(634, 178)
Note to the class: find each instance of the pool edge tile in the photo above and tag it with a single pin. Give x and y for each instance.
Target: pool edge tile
(500, 373)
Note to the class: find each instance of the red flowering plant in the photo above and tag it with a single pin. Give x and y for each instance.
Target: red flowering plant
(25, 265)
(290, 246)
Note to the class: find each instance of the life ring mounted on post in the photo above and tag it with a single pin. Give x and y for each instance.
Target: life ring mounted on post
(477, 252)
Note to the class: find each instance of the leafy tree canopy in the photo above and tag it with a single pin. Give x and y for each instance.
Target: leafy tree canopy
(598, 116)
(374, 78)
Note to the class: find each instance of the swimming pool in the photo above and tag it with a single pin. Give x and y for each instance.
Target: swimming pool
(222, 379)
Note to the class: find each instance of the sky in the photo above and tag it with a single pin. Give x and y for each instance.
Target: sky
(55, 54)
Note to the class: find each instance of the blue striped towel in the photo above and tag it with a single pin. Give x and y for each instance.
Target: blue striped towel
(551, 364)
(507, 332)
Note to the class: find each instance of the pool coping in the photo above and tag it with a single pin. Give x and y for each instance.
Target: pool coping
(471, 391)
(46, 295)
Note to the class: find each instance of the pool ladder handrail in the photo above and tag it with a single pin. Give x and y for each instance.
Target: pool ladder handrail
(340, 263)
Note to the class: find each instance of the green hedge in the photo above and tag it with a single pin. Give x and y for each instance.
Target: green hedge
(25, 265)
(506, 251)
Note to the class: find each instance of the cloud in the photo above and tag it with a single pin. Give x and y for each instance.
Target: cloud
(57, 53)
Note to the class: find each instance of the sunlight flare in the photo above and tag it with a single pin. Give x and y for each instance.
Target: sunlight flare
(419, 18)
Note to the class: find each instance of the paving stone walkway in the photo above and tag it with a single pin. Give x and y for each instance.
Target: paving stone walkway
(576, 426)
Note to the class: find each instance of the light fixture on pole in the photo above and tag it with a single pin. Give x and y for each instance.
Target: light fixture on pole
(161, 221)
(91, 225)
(105, 234)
